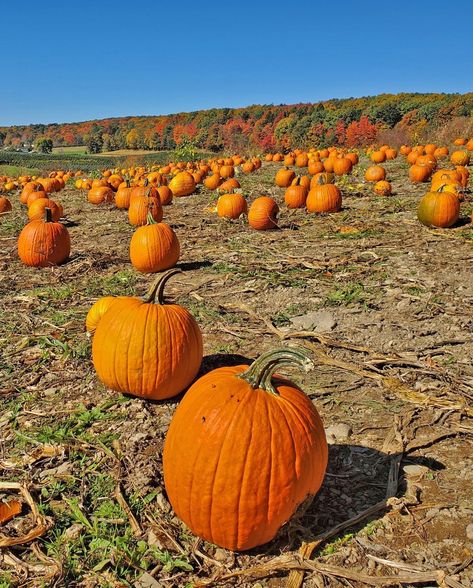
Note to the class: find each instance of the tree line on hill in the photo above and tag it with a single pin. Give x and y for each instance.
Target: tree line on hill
(350, 122)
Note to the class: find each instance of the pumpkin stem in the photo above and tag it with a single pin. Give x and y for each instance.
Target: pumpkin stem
(149, 217)
(155, 293)
(261, 371)
(48, 215)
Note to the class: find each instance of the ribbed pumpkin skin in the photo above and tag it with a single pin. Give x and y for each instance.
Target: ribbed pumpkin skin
(165, 195)
(97, 311)
(239, 461)
(263, 214)
(231, 206)
(439, 209)
(42, 244)
(284, 177)
(154, 248)
(148, 350)
(182, 184)
(139, 208)
(100, 194)
(375, 173)
(324, 198)
(295, 196)
(123, 197)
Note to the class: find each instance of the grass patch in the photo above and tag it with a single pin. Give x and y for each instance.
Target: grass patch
(351, 293)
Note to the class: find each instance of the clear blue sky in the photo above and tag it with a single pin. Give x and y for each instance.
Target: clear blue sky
(72, 61)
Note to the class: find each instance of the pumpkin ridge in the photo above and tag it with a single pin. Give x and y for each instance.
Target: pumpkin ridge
(219, 460)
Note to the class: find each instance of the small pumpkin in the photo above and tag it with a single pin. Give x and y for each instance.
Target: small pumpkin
(5, 205)
(123, 196)
(342, 166)
(375, 173)
(244, 450)
(154, 247)
(460, 158)
(439, 209)
(213, 182)
(284, 177)
(296, 195)
(419, 173)
(383, 188)
(147, 348)
(43, 243)
(263, 214)
(231, 206)
(165, 195)
(100, 195)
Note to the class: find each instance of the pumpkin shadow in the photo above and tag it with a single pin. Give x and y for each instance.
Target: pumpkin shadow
(187, 266)
(217, 360)
(356, 479)
(462, 222)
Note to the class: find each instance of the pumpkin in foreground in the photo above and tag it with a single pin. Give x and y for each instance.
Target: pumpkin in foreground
(244, 449)
(147, 348)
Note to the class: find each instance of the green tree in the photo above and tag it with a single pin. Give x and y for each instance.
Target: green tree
(94, 140)
(44, 145)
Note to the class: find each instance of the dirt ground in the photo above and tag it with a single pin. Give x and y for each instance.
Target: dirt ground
(391, 331)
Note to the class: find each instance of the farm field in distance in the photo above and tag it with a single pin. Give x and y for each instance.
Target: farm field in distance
(382, 302)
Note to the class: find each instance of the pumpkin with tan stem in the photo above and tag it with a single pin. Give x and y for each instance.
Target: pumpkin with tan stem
(5, 205)
(244, 450)
(439, 209)
(44, 243)
(324, 197)
(231, 206)
(154, 247)
(147, 348)
(182, 184)
(296, 195)
(375, 173)
(263, 214)
(284, 177)
(37, 208)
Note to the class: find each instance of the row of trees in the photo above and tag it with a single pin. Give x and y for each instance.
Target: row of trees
(349, 122)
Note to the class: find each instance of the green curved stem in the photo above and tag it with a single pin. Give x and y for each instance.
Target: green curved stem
(155, 293)
(260, 372)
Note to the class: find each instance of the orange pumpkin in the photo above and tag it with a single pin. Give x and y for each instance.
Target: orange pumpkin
(100, 195)
(460, 158)
(141, 206)
(284, 177)
(5, 205)
(419, 173)
(37, 209)
(147, 348)
(324, 197)
(225, 474)
(97, 311)
(182, 184)
(231, 206)
(296, 195)
(375, 173)
(383, 188)
(154, 247)
(263, 213)
(44, 243)
(439, 209)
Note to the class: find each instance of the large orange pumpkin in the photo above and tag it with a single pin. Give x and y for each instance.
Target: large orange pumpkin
(154, 247)
(147, 348)
(97, 311)
(43, 243)
(141, 206)
(244, 450)
(263, 213)
(37, 208)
